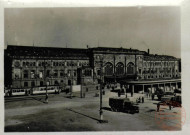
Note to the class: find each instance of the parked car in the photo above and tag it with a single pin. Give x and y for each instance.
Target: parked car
(123, 105)
(167, 96)
(176, 101)
(173, 101)
(130, 107)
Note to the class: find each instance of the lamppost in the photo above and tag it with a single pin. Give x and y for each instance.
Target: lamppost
(81, 76)
(101, 111)
(47, 83)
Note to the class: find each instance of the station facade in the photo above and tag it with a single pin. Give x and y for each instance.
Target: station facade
(38, 66)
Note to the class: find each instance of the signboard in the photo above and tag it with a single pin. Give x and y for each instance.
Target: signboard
(76, 88)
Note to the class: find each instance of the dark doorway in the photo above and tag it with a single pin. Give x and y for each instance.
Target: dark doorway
(79, 80)
(69, 82)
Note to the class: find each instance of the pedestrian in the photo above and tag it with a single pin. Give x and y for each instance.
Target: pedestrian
(131, 94)
(152, 96)
(71, 94)
(148, 93)
(158, 107)
(46, 100)
(119, 93)
(142, 99)
(170, 106)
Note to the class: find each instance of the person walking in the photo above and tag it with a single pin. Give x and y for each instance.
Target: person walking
(46, 99)
(152, 96)
(119, 93)
(148, 94)
(158, 107)
(131, 94)
(170, 106)
(142, 99)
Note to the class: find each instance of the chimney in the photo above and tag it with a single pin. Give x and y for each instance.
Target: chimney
(148, 51)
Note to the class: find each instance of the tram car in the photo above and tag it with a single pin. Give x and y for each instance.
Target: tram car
(31, 91)
(42, 90)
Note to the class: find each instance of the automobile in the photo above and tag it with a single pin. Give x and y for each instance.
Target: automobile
(118, 104)
(173, 101)
(167, 96)
(176, 101)
(168, 93)
(122, 91)
(130, 107)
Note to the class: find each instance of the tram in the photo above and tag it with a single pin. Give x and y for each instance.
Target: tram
(31, 91)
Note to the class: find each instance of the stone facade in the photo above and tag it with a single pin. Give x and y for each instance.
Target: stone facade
(35, 66)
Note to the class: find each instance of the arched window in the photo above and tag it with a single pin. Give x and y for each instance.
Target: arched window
(108, 69)
(130, 68)
(119, 69)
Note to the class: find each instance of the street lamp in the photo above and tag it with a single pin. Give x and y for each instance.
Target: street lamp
(45, 79)
(101, 111)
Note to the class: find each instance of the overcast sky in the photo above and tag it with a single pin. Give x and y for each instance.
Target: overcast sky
(156, 28)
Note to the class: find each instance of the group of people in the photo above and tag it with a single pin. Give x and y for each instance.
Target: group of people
(140, 100)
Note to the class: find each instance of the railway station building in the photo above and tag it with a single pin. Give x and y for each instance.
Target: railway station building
(29, 66)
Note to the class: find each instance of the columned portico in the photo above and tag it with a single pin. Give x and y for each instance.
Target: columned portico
(151, 84)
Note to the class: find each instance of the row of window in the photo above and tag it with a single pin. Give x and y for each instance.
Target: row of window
(159, 63)
(149, 70)
(159, 76)
(32, 73)
(42, 64)
(42, 83)
(26, 84)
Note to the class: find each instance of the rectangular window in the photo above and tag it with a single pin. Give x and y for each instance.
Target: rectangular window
(32, 74)
(139, 71)
(41, 83)
(87, 72)
(40, 74)
(61, 73)
(75, 73)
(32, 84)
(69, 73)
(24, 64)
(48, 73)
(98, 72)
(55, 73)
(25, 73)
(25, 84)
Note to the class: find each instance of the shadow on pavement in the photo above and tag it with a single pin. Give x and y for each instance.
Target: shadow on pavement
(24, 99)
(84, 115)
(151, 110)
(106, 108)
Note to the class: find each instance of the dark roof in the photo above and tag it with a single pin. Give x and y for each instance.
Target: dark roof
(158, 57)
(46, 51)
(77, 53)
(109, 49)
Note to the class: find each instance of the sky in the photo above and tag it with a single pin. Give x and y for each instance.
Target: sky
(154, 28)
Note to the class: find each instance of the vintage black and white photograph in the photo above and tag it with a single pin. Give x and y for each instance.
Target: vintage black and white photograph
(92, 69)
